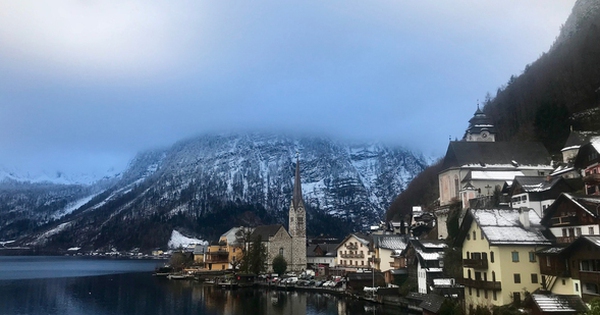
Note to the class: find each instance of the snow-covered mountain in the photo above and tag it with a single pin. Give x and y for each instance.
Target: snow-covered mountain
(206, 185)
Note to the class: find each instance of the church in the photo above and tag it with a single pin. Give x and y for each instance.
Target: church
(291, 245)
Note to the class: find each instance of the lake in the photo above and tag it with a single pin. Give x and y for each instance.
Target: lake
(35, 285)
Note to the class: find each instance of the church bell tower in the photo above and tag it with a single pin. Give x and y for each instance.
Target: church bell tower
(297, 227)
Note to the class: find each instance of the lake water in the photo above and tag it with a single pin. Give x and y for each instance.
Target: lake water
(74, 285)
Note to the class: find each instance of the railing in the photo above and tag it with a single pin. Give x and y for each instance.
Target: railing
(352, 255)
(589, 276)
(592, 179)
(565, 239)
(351, 246)
(480, 284)
(570, 220)
(475, 263)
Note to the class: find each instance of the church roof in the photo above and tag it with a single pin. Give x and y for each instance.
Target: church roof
(266, 231)
(480, 122)
(496, 154)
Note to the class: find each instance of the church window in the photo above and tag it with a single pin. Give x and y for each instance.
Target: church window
(281, 251)
(300, 220)
(456, 189)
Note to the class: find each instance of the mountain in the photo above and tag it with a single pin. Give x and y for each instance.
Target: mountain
(206, 185)
(556, 91)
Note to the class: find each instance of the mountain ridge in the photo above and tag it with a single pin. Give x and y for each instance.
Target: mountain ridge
(207, 184)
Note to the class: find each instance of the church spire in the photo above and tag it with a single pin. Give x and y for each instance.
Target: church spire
(297, 198)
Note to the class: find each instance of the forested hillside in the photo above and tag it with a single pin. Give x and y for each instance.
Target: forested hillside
(556, 91)
(559, 91)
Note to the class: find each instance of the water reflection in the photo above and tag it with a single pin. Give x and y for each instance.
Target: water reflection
(140, 293)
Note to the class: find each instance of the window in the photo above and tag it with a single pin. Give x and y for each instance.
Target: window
(564, 232)
(485, 294)
(531, 256)
(517, 277)
(591, 230)
(564, 282)
(576, 287)
(492, 256)
(468, 237)
(474, 235)
(362, 263)
(477, 290)
(578, 231)
(515, 256)
(517, 297)
(548, 261)
(534, 278)
(481, 233)
(470, 291)
(469, 273)
(494, 295)
(493, 276)
(281, 251)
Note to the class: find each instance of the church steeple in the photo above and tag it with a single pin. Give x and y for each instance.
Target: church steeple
(480, 128)
(297, 197)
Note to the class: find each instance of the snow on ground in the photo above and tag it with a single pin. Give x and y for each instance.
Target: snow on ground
(72, 206)
(44, 237)
(178, 240)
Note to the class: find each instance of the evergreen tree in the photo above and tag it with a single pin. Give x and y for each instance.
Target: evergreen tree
(279, 265)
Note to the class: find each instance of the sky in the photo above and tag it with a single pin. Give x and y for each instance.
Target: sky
(85, 85)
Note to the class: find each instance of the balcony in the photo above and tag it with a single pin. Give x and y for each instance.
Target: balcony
(592, 179)
(567, 220)
(565, 239)
(352, 255)
(475, 263)
(480, 284)
(351, 246)
(217, 257)
(589, 276)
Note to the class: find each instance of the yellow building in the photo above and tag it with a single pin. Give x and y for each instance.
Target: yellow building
(227, 252)
(499, 255)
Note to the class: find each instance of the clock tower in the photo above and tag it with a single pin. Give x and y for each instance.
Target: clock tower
(297, 227)
(480, 128)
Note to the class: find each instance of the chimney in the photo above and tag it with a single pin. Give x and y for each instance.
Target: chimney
(524, 217)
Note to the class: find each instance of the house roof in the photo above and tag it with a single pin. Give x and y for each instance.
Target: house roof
(496, 154)
(265, 231)
(503, 227)
(327, 248)
(432, 303)
(533, 184)
(393, 242)
(578, 138)
(589, 204)
(558, 303)
(594, 240)
(363, 239)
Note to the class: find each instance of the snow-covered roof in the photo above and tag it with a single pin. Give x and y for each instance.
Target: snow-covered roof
(502, 226)
(558, 303)
(595, 142)
(495, 175)
(443, 282)
(429, 256)
(393, 242)
(434, 269)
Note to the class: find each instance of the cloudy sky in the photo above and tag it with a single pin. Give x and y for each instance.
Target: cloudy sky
(84, 85)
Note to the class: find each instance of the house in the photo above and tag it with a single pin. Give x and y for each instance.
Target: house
(570, 150)
(424, 262)
(319, 257)
(536, 192)
(499, 255)
(571, 216)
(588, 160)
(387, 249)
(353, 252)
(584, 264)
(226, 253)
(384, 247)
(199, 252)
(217, 256)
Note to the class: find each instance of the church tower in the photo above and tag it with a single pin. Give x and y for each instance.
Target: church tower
(298, 224)
(480, 128)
